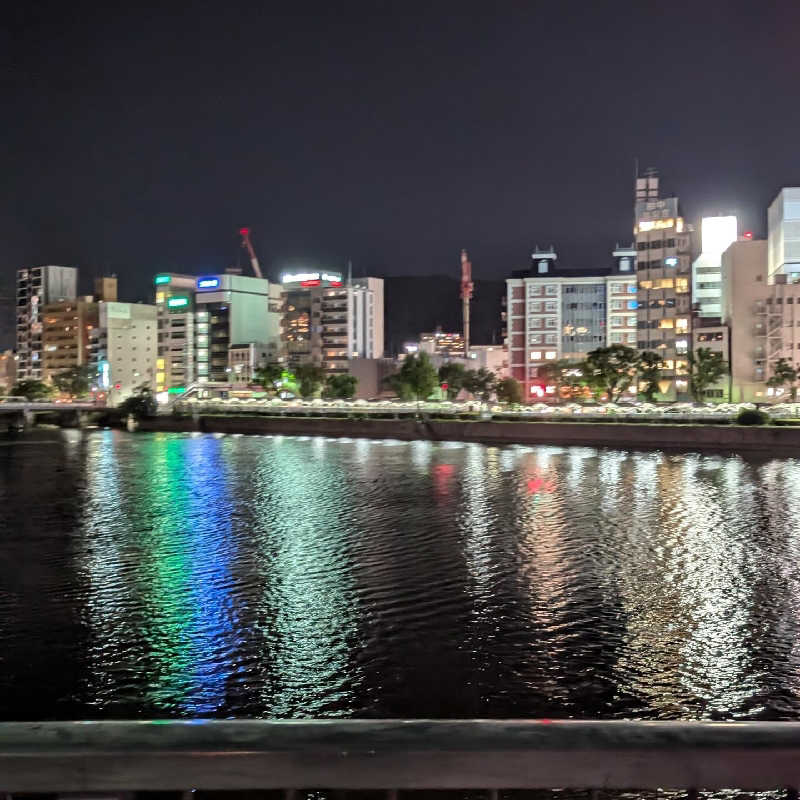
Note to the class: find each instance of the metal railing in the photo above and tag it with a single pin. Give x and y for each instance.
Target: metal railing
(396, 755)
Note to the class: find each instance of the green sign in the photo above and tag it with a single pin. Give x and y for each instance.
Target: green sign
(161, 279)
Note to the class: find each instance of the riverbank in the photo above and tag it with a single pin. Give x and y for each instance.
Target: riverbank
(783, 440)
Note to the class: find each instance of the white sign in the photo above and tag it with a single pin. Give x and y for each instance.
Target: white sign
(301, 277)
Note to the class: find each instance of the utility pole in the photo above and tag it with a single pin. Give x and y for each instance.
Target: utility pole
(466, 295)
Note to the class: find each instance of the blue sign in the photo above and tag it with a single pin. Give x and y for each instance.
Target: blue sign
(207, 283)
(671, 261)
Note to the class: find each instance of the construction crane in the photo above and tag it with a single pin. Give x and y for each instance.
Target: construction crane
(248, 245)
(466, 295)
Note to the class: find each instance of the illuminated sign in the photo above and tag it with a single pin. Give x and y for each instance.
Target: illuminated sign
(176, 390)
(161, 279)
(303, 277)
(672, 261)
(178, 302)
(207, 283)
(747, 235)
(105, 375)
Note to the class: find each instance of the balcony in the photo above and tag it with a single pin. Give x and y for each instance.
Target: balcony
(339, 755)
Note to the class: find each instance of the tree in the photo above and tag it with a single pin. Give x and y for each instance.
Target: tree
(509, 391)
(269, 376)
(480, 383)
(140, 404)
(32, 390)
(453, 375)
(784, 373)
(416, 379)
(309, 379)
(340, 387)
(649, 374)
(610, 370)
(74, 381)
(563, 373)
(705, 369)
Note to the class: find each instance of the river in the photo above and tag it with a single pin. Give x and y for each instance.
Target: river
(195, 575)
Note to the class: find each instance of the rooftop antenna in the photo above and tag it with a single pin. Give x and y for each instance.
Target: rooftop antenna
(466, 295)
(349, 272)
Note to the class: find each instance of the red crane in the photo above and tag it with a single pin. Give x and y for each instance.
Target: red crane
(248, 245)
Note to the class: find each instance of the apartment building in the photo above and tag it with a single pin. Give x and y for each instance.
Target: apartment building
(67, 327)
(555, 313)
(330, 323)
(36, 287)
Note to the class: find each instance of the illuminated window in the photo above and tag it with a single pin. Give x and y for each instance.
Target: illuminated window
(625, 265)
(160, 377)
(541, 267)
(550, 355)
(536, 355)
(645, 284)
(159, 297)
(159, 363)
(682, 324)
(681, 284)
(666, 323)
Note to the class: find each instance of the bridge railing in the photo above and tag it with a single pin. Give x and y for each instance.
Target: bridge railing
(117, 757)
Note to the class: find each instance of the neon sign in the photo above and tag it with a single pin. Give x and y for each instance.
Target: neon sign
(207, 283)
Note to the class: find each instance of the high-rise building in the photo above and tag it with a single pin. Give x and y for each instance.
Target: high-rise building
(664, 271)
(36, 287)
(200, 318)
(124, 348)
(330, 323)
(783, 219)
(555, 313)
(67, 326)
(105, 289)
(175, 359)
(716, 234)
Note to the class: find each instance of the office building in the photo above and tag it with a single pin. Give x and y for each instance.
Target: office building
(36, 287)
(555, 313)
(200, 318)
(67, 326)
(175, 358)
(664, 271)
(124, 349)
(783, 239)
(716, 235)
(245, 359)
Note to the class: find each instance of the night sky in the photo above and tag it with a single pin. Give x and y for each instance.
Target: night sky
(392, 133)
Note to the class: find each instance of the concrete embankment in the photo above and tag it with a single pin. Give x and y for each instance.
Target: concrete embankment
(780, 440)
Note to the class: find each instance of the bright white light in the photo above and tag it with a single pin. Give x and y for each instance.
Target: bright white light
(718, 233)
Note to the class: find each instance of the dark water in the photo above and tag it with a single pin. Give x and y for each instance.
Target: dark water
(177, 575)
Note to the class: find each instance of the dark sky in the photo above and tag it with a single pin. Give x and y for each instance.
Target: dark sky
(393, 133)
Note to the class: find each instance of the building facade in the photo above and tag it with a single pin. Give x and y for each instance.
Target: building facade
(175, 357)
(716, 235)
(67, 327)
(555, 313)
(664, 276)
(124, 349)
(36, 287)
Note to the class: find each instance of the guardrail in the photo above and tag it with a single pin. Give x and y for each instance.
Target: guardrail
(396, 755)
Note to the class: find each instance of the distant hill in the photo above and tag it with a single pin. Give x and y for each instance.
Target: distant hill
(416, 305)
